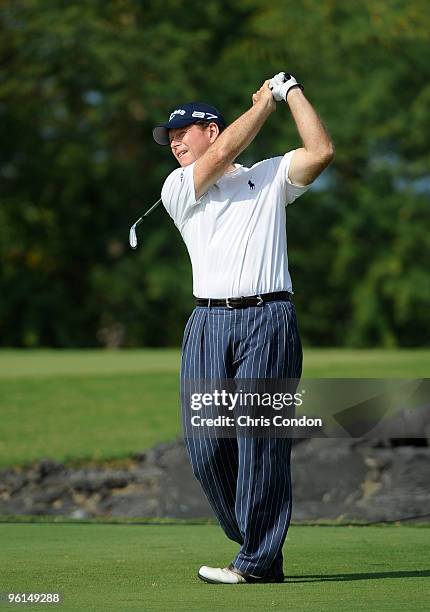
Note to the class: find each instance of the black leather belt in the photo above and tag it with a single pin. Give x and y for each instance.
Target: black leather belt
(244, 302)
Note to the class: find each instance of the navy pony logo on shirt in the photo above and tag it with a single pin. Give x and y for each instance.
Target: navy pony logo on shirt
(251, 185)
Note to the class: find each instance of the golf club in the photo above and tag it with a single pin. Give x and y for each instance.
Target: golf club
(132, 236)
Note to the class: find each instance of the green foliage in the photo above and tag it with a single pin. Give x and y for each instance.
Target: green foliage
(82, 84)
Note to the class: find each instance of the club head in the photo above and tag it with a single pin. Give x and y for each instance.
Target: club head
(132, 237)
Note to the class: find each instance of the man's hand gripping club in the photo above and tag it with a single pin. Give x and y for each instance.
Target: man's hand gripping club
(281, 84)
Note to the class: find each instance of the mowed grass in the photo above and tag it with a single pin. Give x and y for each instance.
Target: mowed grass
(153, 568)
(102, 405)
(318, 363)
(86, 417)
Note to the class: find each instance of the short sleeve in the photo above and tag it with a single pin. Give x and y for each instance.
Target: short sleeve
(292, 191)
(178, 194)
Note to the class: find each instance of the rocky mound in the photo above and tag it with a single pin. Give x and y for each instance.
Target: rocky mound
(332, 479)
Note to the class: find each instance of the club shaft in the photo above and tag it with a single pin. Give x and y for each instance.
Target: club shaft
(152, 208)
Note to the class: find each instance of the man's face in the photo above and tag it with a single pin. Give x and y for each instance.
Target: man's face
(190, 142)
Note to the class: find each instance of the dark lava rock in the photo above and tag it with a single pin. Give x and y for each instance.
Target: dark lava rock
(332, 479)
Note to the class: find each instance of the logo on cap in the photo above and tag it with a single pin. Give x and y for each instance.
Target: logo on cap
(202, 115)
(178, 111)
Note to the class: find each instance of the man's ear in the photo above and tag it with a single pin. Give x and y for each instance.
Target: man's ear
(213, 131)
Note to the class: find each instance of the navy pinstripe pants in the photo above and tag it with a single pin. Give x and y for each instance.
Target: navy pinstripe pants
(246, 480)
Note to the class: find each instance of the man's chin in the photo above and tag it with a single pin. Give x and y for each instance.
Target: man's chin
(185, 162)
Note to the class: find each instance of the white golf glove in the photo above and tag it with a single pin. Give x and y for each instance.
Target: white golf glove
(281, 84)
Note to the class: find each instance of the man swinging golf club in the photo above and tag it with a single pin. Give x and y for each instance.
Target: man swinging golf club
(232, 220)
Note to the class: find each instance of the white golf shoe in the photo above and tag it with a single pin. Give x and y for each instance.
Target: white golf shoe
(219, 575)
(230, 575)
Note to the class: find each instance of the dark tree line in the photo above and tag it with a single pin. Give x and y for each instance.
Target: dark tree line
(82, 84)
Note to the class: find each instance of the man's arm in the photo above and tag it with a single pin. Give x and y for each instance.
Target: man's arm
(232, 141)
(318, 151)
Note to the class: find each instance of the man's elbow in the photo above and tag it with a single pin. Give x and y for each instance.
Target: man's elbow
(322, 159)
(326, 155)
(318, 162)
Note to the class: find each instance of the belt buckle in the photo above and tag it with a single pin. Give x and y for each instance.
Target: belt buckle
(260, 301)
(227, 303)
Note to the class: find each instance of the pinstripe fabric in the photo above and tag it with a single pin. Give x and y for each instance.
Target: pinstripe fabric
(246, 480)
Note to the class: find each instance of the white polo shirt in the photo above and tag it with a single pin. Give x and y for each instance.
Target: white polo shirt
(235, 233)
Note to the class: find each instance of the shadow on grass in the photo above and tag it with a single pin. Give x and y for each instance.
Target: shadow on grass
(363, 576)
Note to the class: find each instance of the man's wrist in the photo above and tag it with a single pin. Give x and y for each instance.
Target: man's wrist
(265, 105)
(296, 88)
(293, 91)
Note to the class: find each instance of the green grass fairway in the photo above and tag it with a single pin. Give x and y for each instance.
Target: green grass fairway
(86, 417)
(153, 568)
(108, 404)
(317, 362)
